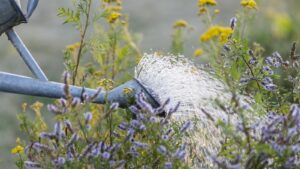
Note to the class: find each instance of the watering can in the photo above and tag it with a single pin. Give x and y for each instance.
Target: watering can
(11, 15)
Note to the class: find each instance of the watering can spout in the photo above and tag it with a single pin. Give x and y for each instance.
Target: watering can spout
(17, 84)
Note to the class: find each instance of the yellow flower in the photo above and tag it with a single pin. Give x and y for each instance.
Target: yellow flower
(217, 11)
(180, 24)
(17, 149)
(73, 46)
(127, 90)
(107, 84)
(113, 17)
(207, 2)
(198, 52)
(251, 4)
(217, 31)
(202, 10)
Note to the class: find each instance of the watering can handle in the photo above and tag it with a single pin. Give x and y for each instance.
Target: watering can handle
(31, 5)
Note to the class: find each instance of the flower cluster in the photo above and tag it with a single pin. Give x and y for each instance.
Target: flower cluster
(274, 143)
(251, 4)
(217, 31)
(114, 141)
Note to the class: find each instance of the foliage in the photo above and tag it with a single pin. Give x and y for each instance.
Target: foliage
(86, 135)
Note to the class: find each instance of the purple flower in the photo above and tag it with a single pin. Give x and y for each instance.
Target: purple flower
(252, 61)
(168, 165)
(187, 125)
(143, 104)
(73, 138)
(135, 123)
(162, 149)
(267, 69)
(244, 81)
(63, 102)
(106, 155)
(123, 126)
(86, 150)
(266, 80)
(75, 102)
(269, 60)
(295, 148)
(88, 117)
(270, 87)
(140, 145)
(39, 147)
(31, 164)
(165, 137)
(68, 125)
(233, 21)
(60, 161)
(58, 131)
(114, 106)
(45, 135)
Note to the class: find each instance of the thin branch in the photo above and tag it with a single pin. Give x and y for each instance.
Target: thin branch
(82, 38)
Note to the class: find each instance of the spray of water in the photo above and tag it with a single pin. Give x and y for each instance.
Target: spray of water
(177, 78)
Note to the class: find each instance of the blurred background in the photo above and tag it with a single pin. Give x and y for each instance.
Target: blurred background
(275, 27)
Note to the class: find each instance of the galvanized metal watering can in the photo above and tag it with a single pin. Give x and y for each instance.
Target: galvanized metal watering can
(11, 15)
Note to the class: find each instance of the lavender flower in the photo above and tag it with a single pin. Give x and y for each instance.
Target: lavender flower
(88, 117)
(86, 150)
(69, 155)
(165, 137)
(123, 126)
(58, 131)
(143, 104)
(162, 149)
(269, 60)
(187, 125)
(75, 102)
(114, 106)
(60, 161)
(49, 136)
(244, 81)
(63, 102)
(40, 147)
(68, 125)
(135, 123)
(73, 138)
(168, 165)
(106, 155)
(141, 145)
(266, 80)
(54, 109)
(31, 164)
(233, 21)
(268, 70)
(252, 61)
(270, 87)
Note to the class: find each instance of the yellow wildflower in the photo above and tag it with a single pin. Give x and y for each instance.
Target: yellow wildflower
(73, 46)
(207, 2)
(202, 10)
(17, 149)
(251, 4)
(113, 17)
(127, 90)
(107, 84)
(217, 31)
(217, 11)
(180, 24)
(198, 52)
